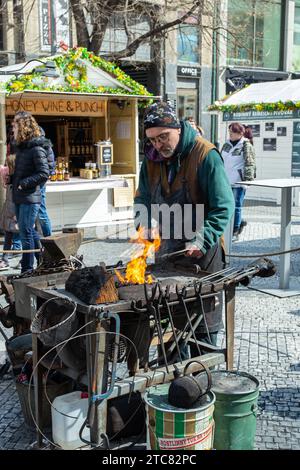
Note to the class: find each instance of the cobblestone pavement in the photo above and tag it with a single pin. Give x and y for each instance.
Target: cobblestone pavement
(267, 341)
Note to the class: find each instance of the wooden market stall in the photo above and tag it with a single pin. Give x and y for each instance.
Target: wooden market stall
(89, 110)
(272, 109)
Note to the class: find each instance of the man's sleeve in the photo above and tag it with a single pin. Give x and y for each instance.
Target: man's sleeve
(142, 200)
(217, 191)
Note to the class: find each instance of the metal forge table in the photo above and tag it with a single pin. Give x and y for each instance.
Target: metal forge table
(170, 291)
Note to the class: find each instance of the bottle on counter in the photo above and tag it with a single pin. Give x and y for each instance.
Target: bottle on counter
(70, 168)
(95, 171)
(89, 173)
(53, 175)
(60, 173)
(66, 173)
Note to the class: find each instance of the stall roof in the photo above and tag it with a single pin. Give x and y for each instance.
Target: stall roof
(77, 71)
(278, 95)
(110, 95)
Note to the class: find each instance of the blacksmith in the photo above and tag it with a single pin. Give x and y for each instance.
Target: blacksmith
(182, 168)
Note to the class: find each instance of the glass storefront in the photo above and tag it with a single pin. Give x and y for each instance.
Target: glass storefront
(255, 33)
(296, 45)
(187, 103)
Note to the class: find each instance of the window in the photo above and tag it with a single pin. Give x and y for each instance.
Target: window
(188, 43)
(187, 103)
(115, 38)
(255, 33)
(296, 46)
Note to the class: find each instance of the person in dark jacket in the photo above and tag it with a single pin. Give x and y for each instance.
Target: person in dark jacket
(43, 216)
(184, 169)
(31, 171)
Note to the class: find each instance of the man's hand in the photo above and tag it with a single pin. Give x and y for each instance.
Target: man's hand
(194, 251)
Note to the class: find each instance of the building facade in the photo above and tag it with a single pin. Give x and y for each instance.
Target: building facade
(214, 52)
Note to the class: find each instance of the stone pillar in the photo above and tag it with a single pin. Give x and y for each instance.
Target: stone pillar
(288, 39)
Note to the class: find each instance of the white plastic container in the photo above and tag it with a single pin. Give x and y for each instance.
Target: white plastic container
(65, 429)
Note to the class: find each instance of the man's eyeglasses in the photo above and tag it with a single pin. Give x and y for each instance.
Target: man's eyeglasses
(160, 139)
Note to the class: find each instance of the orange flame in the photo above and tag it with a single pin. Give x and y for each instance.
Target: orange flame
(136, 268)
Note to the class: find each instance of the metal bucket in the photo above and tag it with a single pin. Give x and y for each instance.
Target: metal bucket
(235, 409)
(170, 428)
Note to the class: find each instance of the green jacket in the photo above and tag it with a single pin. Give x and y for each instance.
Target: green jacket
(212, 182)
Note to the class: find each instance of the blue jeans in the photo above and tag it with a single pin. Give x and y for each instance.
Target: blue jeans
(43, 215)
(12, 241)
(26, 217)
(239, 195)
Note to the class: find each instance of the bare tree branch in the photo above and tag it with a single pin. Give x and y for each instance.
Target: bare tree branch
(133, 46)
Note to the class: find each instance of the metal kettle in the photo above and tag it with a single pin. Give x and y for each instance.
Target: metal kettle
(186, 390)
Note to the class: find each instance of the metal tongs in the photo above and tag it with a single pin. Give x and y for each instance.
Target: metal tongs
(174, 253)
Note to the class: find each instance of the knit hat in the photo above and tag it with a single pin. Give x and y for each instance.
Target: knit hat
(161, 115)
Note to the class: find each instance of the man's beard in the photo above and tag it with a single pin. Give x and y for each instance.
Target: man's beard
(167, 153)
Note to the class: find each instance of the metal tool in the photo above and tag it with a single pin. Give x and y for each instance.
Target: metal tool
(174, 253)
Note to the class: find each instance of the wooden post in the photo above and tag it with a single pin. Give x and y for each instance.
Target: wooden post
(229, 319)
(100, 376)
(37, 378)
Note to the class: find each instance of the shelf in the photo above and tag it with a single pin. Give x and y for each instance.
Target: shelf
(76, 128)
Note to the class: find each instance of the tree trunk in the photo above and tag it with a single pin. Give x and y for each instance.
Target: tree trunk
(18, 16)
(82, 33)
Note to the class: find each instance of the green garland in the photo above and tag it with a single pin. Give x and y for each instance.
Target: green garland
(73, 68)
(242, 108)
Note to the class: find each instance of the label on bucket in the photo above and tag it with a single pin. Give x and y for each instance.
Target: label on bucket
(203, 441)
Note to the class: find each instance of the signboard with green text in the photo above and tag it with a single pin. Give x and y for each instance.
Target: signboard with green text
(256, 115)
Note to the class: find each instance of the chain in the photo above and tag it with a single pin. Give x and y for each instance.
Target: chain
(45, 268)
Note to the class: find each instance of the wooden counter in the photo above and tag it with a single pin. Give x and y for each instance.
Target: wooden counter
(86, 203)
(80, 184)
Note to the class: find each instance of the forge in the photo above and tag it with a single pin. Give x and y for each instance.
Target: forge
(122, 331)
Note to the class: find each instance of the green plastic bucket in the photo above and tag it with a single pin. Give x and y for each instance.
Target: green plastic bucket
(170, 428)
(235, 409)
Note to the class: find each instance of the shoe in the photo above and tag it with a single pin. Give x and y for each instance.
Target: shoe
(235, 236)
(242, 226)
(18, 266)
(4, 265)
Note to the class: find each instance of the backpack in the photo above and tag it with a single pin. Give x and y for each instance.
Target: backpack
(8, 220)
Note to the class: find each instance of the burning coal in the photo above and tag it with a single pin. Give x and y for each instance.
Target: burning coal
(136, 268)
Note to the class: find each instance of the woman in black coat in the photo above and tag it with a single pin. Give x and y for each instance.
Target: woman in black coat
(31, 171)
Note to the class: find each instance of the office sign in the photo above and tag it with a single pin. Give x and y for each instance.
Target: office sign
(56, 106)
(185, 71)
